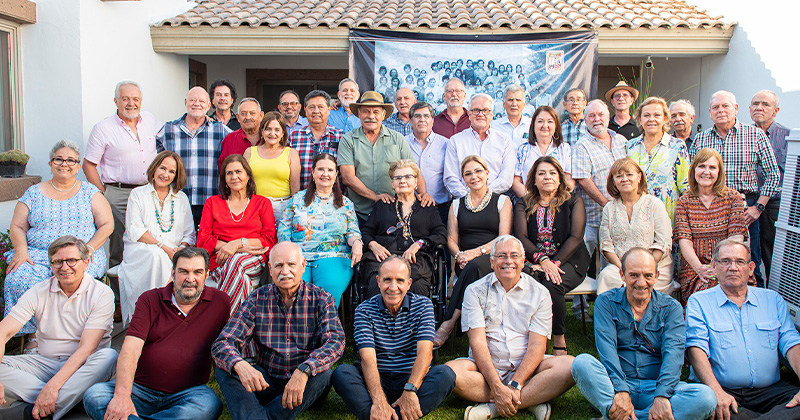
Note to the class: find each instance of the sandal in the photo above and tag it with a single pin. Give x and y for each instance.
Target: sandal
(560, 348)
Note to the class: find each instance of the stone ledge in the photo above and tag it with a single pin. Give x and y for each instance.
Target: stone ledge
(13, 188)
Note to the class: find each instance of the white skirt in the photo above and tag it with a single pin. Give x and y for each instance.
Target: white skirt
(144, 267)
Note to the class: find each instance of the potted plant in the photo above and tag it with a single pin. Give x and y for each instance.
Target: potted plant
(13, 163)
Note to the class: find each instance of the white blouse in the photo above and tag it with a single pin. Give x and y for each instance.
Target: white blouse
(140, 217)
(650, 227)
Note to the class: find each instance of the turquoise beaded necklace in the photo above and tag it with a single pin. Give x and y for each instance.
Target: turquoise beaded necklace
(171, 217)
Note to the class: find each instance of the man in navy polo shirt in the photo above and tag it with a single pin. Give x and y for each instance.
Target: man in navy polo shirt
(394, 335)
(165, 360)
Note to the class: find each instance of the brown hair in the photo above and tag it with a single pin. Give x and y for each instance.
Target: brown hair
(473, 158)
(180, 172)
(224, 189)
(533, 195)
(702, 156)
(270, 116)
(557, 136)
(653, 100)
(619, 165)
(338, 201)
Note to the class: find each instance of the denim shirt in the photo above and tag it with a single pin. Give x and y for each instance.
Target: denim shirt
(625, 355)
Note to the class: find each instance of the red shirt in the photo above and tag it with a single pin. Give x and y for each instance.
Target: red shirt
(443, 125)
(257, 221)
(177, 350)
(234, 144)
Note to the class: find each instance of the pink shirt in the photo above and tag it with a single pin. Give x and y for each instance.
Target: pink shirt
(121, 156)
(61, 320)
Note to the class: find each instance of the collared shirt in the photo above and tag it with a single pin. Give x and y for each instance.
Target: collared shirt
(528, 153)
(308, 332)
(626, 355)
(777, 138)
(666, 168)
(571, 131)
(518, 134)
(745, 150)
(742, 344)
(496, 150)
(120, 155)
(234, 144)
(394, 338)
(233, 122)
(199, 152)
(395, 123)
(300, 123)
(308, 148)
(431, 164)
(507, 316)
(144, 213)
(61, 320)
(371, 162)
(341, 119)
(444, 126)
(628, 130)
(592, 159)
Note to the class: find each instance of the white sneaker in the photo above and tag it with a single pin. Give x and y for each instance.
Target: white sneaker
(541, 411)
(480, 412)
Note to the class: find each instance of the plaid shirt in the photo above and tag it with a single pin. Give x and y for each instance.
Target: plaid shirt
(591, 159)
(199, 152)
(395, 123)
(572, 132)
(307, 147)
(745, 150)
(307, 332)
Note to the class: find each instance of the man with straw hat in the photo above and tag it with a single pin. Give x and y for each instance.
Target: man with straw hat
(621, 97)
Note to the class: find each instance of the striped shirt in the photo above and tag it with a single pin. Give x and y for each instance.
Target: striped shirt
(395, 123)
(199, 151)
(745, 150)
(394, 338)
(302, 140)
(308, 332)
(572, 132)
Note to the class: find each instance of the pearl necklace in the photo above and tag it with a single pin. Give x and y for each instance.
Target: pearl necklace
(59, 189)
(231, 211)
(483, 203)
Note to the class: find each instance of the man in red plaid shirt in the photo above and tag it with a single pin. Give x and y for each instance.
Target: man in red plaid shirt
(318, 137)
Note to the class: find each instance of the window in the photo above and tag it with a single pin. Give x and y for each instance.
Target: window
(11, 132)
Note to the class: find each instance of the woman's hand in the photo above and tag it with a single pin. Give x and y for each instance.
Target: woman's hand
(705, 272)
(411, 253)
(169, 251)
(18, 259)
(227, 250)
(357, 250)
(467, 256)
(551, 271)
(380, 252)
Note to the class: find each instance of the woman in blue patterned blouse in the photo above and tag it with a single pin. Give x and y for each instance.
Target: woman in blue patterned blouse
(323, 222)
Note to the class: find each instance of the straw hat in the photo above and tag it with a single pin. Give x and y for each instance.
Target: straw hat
(371, 98)
(622, 85)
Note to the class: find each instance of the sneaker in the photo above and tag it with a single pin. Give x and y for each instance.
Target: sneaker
(480, 412)
(541, 411)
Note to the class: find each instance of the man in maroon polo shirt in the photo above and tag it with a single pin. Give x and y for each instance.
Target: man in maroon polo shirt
(236, 143)
(165, 360)
(455, 118)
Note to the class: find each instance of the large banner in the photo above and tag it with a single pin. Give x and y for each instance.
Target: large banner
(546, 65)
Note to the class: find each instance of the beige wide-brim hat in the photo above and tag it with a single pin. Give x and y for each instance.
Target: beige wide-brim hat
(619, 86)
(371, 98)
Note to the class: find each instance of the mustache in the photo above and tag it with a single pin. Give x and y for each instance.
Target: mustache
(285, 277)
(370, 120)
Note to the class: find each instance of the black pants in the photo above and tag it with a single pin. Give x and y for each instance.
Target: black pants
(421, 274)
(766, 224)
(471, 272)
(569, 280)
(197, 212)
(765, 403)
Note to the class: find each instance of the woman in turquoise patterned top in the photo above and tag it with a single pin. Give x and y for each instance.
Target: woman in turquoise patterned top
(323, 222)
(663, 158)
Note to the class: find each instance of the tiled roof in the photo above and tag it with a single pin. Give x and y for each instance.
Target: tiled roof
(452, 14)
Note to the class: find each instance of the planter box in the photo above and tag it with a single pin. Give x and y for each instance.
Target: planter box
(12, 171)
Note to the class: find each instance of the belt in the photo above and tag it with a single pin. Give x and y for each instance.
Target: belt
(280, 200)
(122, 185)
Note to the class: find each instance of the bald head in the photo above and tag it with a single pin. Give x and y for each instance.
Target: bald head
(403, 100)
(197, 102)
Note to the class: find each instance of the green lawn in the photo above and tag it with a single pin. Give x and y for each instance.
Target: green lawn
(570, 406)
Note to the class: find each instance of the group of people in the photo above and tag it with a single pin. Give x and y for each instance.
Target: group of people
(281, 210)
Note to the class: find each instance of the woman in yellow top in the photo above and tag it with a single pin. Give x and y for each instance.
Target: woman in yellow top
(276, 166)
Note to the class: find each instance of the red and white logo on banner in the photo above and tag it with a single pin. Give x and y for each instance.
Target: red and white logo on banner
(555, 62)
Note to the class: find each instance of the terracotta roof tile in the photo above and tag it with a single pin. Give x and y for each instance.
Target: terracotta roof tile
(453, 14)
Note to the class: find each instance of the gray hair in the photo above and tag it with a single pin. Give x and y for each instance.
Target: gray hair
(126, 83)
(503, 239)
(719, 93)
(598, 101)
(455, 79)
(637, 250)
(513, 88)
(190, 252)
(484, 96)
(393, 258)
(729, 242)
(583, 92)
(420, 105)
(774, 95)
(65, 241)
(685, 103)
(250, 99)
(68, 144)
(349, 80)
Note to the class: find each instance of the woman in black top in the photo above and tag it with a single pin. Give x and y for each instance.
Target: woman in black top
(473, 224)
(402, 228)
(550, 222)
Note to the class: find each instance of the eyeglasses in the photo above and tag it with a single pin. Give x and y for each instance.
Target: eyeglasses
(403, 177)
(71, 262)
(289, 103)
(475, 172)
(393, 229)
(726, 262)
(512, 256)
(643, 338)
(59, 161)
(480, 111)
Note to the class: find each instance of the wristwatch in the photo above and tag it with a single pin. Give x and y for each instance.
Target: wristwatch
(760, 206)
(305, 368)
(514, 384)
(410, 387)
(483, 251)
(244, 241)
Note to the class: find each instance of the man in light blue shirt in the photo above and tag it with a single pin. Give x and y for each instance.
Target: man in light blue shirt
(640, 340)
(734, 334)
(514, 124)
(429, 149)
(342, 118)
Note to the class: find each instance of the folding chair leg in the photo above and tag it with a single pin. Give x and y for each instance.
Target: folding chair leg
(583, 315)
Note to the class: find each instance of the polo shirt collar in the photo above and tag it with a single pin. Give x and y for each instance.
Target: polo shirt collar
(404, 307)
(55, 286)
(522, 283)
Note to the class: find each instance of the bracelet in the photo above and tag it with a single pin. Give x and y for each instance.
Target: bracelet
(91, 247)
(542, 259)
(160, 244)
(420, 242)
(458, 253)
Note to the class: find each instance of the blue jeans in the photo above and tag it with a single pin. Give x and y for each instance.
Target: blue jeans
(195, 403)
(332, 274)
(689, 402)
(348, 381)
(267, 404)
(755, 243)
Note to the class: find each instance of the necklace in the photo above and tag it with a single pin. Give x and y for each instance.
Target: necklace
(483, 203)
(405, 220)
(228, 202)
(323, 198)
(171, 216)
(650, 156)
(59, 189)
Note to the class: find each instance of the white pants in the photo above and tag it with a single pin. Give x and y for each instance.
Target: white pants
(24, 377)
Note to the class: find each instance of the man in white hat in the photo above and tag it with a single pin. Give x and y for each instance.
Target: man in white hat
(621, 97)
